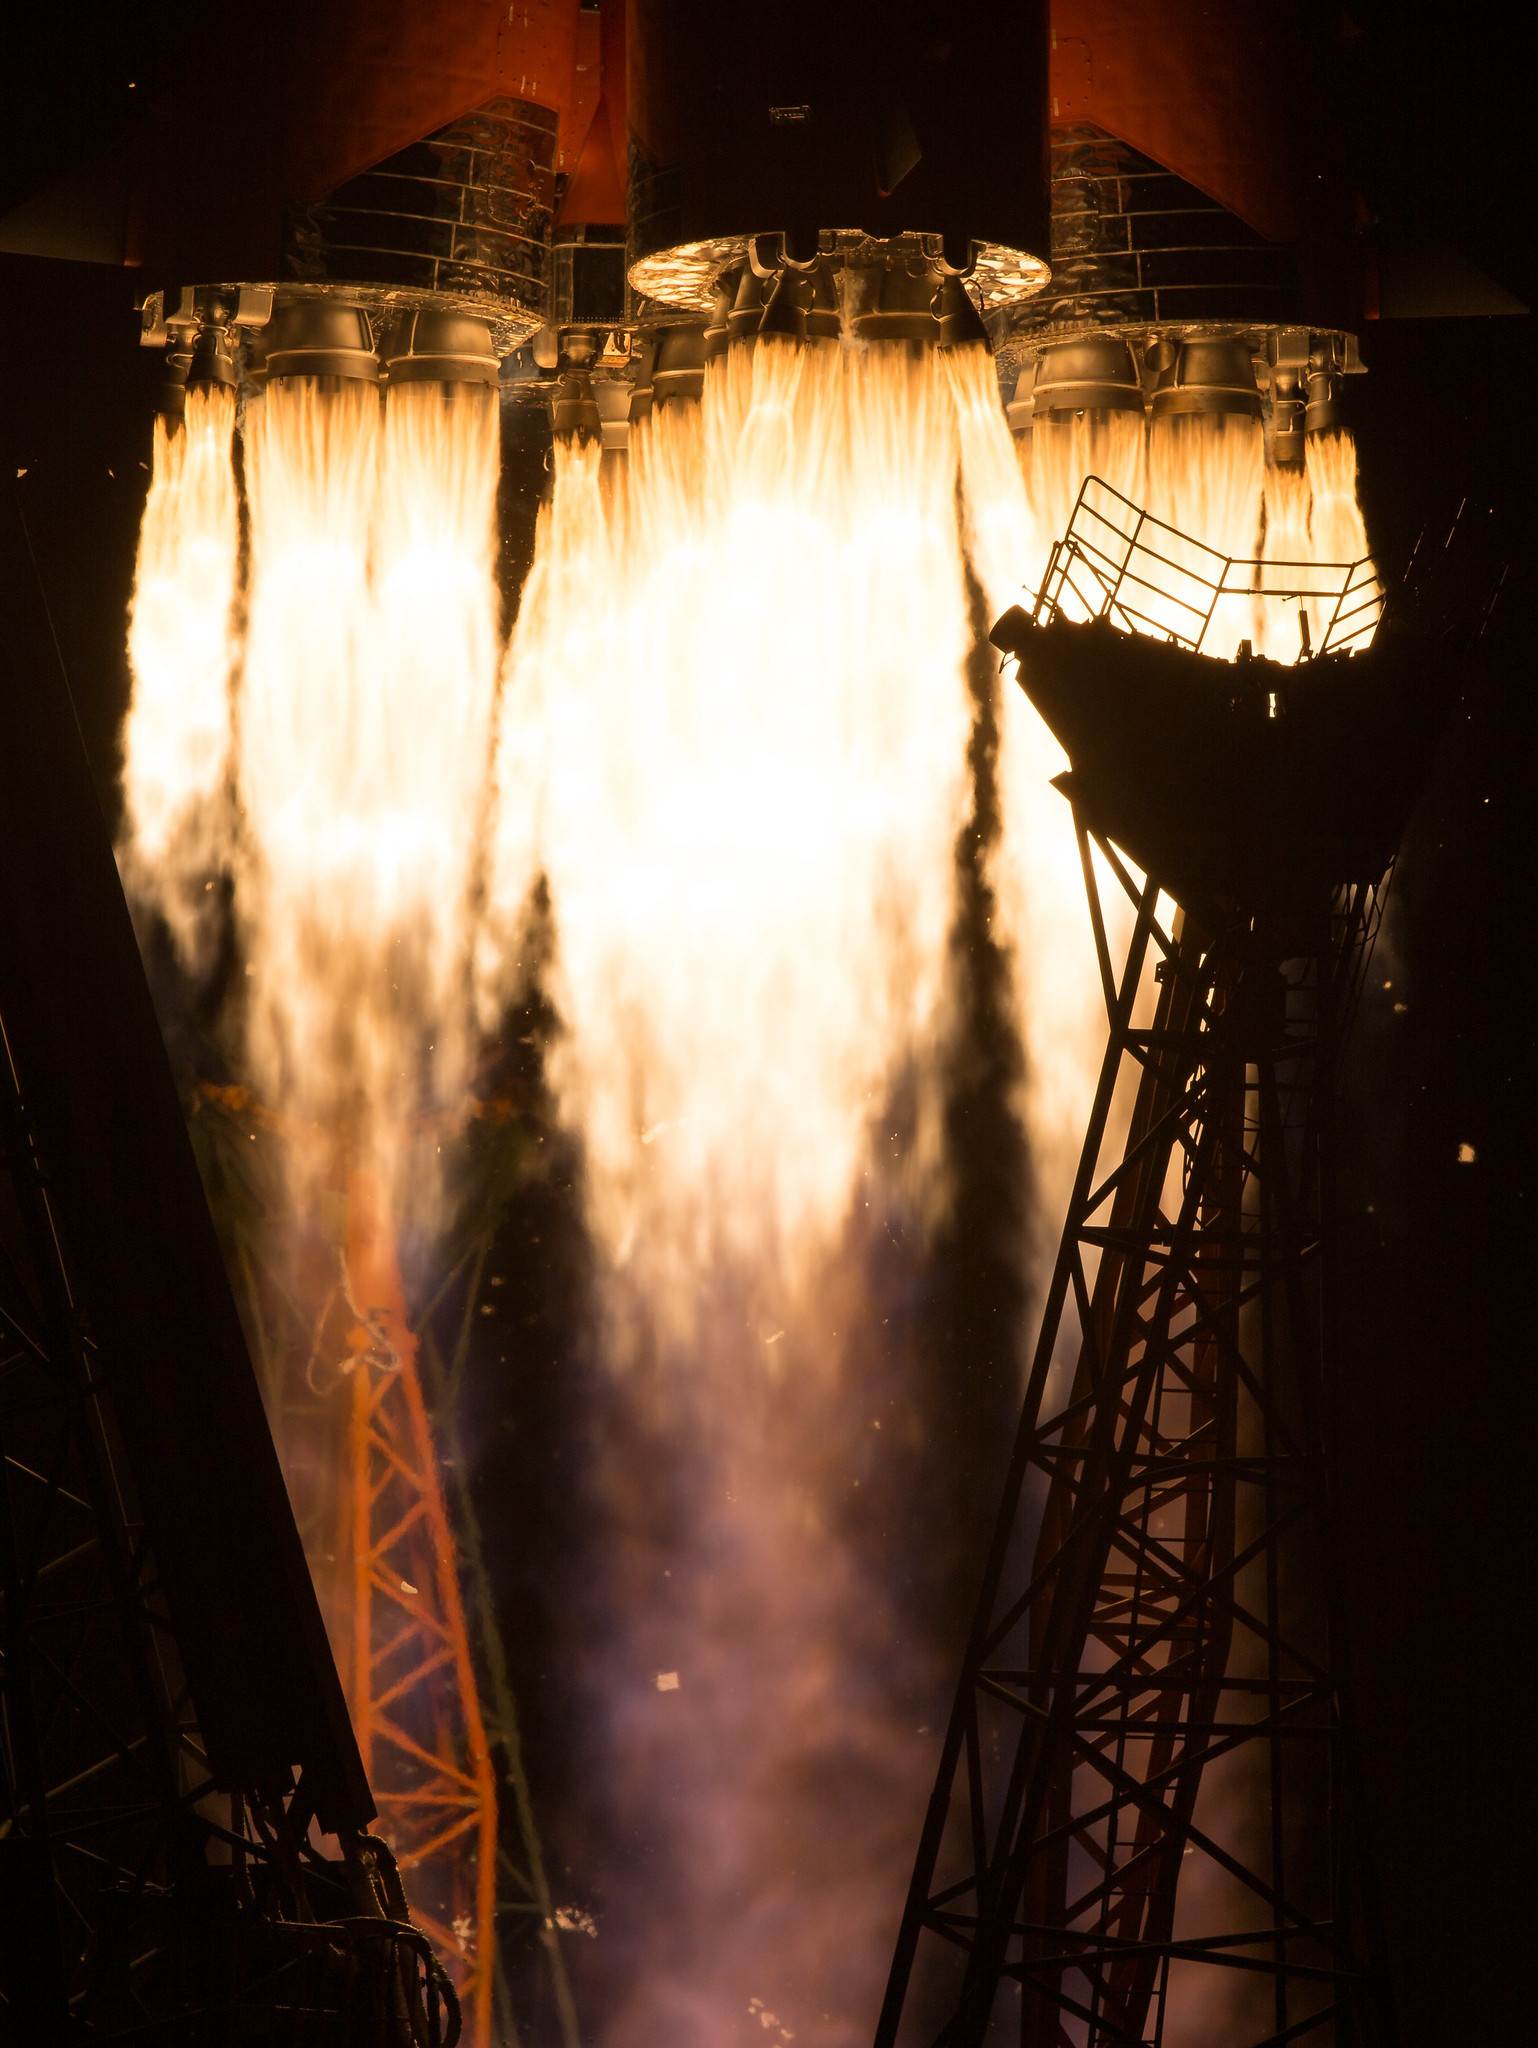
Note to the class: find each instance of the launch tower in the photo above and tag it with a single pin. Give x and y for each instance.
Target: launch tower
(1149, 1778)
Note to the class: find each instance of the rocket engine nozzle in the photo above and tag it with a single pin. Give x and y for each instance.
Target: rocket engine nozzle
(430, 345)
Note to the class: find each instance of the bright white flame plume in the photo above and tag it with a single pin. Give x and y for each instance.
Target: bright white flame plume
(365, 727)
(733, 741)
(181, 644)
(345, 793)
(732, 745)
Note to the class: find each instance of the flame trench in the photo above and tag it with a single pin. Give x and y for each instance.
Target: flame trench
(731, 754)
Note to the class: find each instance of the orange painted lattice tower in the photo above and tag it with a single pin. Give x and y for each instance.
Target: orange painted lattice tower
(410, 1676)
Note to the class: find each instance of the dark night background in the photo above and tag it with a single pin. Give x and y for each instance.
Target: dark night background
(1434, 1437)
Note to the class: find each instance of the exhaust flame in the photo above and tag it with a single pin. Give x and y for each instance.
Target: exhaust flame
(735, 720)
(734, 734)
(732, 752)
(1206, 475)
(1059, 454)
(362, 725)
(1287, 542)
(365, 724)
(181, 644)
(1336, 530)
(1017, 503)
(356, 756)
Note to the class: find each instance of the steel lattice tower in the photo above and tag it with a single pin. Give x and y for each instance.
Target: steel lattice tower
(1148, 1805)
(411, 1678)
(364, 1394)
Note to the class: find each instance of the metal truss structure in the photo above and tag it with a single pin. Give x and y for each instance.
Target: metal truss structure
(142, 1897)
(412, 1683)
(364, 1394)
(1147, 1825)
(1146, 1808)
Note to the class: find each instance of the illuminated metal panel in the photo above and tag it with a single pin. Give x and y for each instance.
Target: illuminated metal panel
(1202, 91)
(382, 75)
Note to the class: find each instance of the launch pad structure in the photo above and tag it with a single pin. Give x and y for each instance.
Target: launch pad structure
(580, 209)
(1157, 1647)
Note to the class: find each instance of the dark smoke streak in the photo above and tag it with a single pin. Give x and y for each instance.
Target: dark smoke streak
(932, 1347)
(972, 1326)
(532, 1387)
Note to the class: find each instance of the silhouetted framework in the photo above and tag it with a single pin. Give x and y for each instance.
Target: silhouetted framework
(174, 1742)
(1146, 1825)
(412, 1682)
(141, 1895)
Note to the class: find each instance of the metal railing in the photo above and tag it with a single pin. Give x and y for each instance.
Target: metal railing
(1118, 562)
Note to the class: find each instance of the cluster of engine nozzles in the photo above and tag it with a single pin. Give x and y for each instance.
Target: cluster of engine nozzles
(1206, 374)
(904, 300)
(213, 337)
(320, 336)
